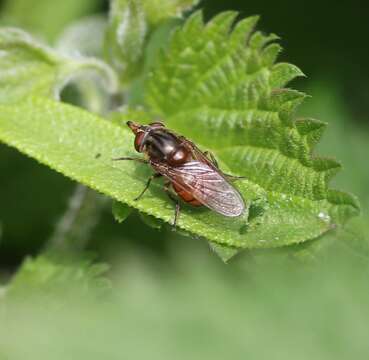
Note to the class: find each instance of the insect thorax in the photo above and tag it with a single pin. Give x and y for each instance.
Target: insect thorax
(164, 146)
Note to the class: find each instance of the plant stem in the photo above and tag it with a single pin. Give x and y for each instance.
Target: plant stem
(76, 225)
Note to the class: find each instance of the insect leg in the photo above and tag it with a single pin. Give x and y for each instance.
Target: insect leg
(212, 158)
(215, 162)
(131, 158)
(234, 178)
(176, 214)
(175, 200)
(152, 177)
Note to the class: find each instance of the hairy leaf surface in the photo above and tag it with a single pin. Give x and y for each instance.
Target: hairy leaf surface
(68, 139)
(224, 90)
(120, 211)
(219, 85)
(131, 22)
(29, 67)
(85, 37)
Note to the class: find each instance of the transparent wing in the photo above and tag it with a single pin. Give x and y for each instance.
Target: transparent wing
(208, 186)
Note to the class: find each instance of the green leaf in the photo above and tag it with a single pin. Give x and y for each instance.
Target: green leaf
(68, 140)
(84, 37)
(151, 221)
(120, 211)
(160, 10)
(130, 24)
(224, 252)
(229, 98)
(74, 228)
(126, 37)
(29, 67)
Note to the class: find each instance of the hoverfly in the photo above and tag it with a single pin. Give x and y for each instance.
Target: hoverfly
(193, 175)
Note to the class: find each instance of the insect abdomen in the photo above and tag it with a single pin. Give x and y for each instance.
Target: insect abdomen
(186, 196)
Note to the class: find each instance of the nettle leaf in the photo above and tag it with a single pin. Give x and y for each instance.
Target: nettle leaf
(225, 252)
(130, 24)
(82, 146)
(151, 221)
(84, 37)
(125, 37)
(29, 67)
(160, 10)
(120, 211)
(221, 88)
(219, 85)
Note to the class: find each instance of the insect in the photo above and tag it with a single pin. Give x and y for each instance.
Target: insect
(193, 175)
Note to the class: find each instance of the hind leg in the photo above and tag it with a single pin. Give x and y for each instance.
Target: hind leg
(212, 158)
(177, 210)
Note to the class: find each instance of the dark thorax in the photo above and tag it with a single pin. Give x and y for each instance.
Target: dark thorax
(164, 146)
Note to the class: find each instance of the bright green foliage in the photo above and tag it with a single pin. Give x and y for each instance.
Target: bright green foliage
(230, 98)
(223, 251)
(160, 10)
(219, 85)
(151, 221)
(73, 230)
(130, 24)
(29, 67)
(69, 139)
(85, 36)
(120, 211)
(222, 89)
(126, 36)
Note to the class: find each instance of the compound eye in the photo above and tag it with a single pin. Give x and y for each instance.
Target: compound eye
(138, 140)
(157, 124)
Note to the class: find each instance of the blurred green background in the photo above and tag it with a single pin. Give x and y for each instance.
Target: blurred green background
(175, 291)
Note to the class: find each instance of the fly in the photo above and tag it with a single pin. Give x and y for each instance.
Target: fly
(193, 175)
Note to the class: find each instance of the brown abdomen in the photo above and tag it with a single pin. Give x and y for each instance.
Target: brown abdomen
(186, 196)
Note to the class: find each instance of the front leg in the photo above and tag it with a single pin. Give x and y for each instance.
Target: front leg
(132, 159)
(234, 178)
(151, 178)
